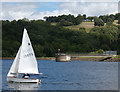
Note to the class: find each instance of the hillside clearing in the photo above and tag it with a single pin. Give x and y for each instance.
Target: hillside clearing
(86, 25)
(115, 22)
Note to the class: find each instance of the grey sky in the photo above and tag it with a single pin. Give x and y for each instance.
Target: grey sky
(32, 10)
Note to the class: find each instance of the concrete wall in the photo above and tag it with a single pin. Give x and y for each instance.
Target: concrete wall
(63, 58)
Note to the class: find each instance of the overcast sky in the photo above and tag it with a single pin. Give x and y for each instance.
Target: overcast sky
(38, 10)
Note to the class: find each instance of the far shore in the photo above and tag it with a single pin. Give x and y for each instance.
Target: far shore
(114, 59)
(38, 58)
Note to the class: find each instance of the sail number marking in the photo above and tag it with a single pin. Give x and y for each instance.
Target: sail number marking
(28, 55)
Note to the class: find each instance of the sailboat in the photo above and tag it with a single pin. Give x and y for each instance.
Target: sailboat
(24, 63)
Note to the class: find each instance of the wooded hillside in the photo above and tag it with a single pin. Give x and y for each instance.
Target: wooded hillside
(47, 38)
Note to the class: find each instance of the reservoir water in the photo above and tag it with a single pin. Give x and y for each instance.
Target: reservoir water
(75, 75)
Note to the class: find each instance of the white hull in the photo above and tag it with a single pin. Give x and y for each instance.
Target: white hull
(23, 80)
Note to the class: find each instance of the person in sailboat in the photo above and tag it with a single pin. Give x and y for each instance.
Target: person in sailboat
(26, 76)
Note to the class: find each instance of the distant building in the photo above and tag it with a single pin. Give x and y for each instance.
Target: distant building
(88, 20)
(114, 53)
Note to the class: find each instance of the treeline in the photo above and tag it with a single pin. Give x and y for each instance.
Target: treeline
(68, 20)
(110, 18)
(46, 38)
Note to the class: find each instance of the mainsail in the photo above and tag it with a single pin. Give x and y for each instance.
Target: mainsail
(28, 62)
(25, 61)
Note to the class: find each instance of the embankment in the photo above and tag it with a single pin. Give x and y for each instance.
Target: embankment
(113, 59)
(38, 58)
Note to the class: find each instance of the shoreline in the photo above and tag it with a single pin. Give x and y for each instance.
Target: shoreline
(97, 59)
(38, 58)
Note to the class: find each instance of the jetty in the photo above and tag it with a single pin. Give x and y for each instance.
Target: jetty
(99, 57)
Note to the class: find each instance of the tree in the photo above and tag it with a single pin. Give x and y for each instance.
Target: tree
(65, 23)
(112, 17)
(78, 19)
(117, 15)
(104, 18)
(109, 23)
(109, 20)
(119, 20)
(98, 22)
(90, 18)
(84, 16)
(39, 50)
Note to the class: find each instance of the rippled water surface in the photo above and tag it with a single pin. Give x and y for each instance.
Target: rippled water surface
(75, 75)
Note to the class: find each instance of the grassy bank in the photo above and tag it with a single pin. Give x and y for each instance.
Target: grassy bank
(45, 58)
(88, 58)
(38, 58)
(118, 56)
(114, 59)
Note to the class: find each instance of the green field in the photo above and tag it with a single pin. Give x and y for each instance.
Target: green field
(115, 22)
(118, 56)
(86, 25)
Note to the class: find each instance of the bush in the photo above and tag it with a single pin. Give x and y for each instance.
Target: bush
(100, 51)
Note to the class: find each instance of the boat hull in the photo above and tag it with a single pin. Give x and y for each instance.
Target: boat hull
(22, 80)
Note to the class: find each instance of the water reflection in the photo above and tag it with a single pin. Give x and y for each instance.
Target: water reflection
(24, 86)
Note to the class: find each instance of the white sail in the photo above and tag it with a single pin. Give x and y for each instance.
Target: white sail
(27, 63)
(14, 67)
